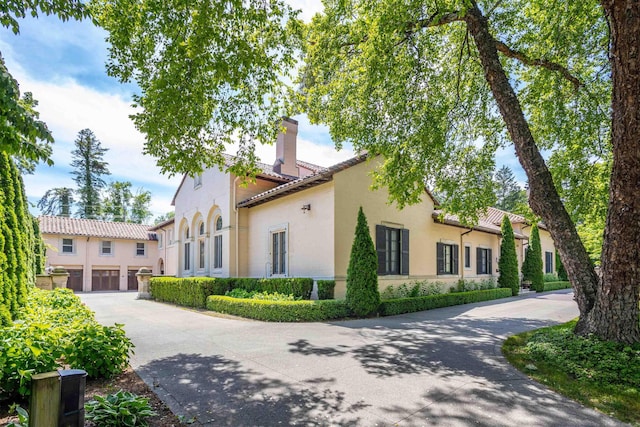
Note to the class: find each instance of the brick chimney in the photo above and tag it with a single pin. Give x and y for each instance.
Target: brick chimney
(286, 149)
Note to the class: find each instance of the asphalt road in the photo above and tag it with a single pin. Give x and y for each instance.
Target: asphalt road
(434, 368)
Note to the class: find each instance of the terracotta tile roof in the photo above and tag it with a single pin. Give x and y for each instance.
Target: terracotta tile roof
(495, 215)
(94, 228)
(310, 166)
(323, 175)
(484, 224)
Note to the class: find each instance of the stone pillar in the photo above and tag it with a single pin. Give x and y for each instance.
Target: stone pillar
(143, 275)
(60, 276)
(44, 282)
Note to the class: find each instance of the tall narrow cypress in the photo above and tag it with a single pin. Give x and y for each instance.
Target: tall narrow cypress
(8, 226)
(532, 266)
(363, 297)
(508, 263)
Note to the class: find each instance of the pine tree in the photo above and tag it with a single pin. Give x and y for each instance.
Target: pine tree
(363, 297)
(508, 263)
(532, 266)
(57, 201)
(88, 162)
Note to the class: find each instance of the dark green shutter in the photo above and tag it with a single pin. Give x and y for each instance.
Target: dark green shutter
(381, 249)
(404, 259)
(489, 262)
(478, 261)
(440, 258)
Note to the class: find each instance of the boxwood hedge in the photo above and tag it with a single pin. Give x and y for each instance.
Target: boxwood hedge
(326, 289)
(391, 307)
(554, 286)
(279, 311)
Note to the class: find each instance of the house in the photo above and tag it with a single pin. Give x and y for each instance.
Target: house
(99, 255)
(298, 220)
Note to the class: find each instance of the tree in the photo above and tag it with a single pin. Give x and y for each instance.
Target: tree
(121, 205)
(164, 217)
(57, 201)
(434, 87)
(508, 193)
(89, 168)
(508, 263)
(562, 273)
(363, 297)
(23, 135)
(532, 265)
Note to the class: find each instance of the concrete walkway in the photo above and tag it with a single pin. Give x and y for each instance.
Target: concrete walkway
(434, 368)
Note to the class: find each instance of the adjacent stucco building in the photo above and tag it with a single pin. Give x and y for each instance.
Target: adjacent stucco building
(99, 255)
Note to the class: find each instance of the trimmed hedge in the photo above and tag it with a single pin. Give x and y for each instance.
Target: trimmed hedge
(554, 286)
(189, 291)
(326, 289)
(193, 291)
(392, 307)
(279, 311)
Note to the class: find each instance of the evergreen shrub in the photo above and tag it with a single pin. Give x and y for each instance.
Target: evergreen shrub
(532, 265)
(554, 286)
(326, 289)
(363, 297)
(279, 311)
(508, 262)
(392, 307)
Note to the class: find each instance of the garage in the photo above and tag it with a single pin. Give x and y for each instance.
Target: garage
(105, 280)
(75, 280)
(132, 280)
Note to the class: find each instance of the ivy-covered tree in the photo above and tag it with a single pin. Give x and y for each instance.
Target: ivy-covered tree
(363, 296)
(508, 263)
(57, 201)
(532, 265)
(89, 168)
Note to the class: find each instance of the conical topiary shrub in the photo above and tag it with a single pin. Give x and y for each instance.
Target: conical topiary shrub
(363, 297)
(508, 263)
(532, 266)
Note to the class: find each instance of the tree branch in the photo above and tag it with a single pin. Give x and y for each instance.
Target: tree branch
(549, 65)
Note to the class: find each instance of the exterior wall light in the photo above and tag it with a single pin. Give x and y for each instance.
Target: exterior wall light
(306, 208)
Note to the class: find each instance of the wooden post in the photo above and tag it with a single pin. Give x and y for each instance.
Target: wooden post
(45, 400)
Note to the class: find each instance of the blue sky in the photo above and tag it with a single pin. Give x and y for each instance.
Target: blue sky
(62, 63)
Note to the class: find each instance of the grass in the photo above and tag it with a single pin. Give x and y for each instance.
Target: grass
(602, 375)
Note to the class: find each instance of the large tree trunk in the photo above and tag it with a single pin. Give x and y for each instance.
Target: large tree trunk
(543, 196)
(615, 315)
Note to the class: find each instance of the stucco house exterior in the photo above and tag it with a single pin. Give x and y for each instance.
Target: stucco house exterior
(298, 220)
(99, 255)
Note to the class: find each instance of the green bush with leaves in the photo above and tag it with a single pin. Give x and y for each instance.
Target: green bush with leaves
(410, 305)
(554, 286)
(363, 297)
(121, 409)
(508, 262)
(279, 311)
(417, 288)
(54, 329)
(532, 265)
(466, 285)
(326, 289)
(188, 292)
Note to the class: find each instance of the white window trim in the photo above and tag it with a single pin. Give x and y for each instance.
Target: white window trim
(464, 265)
(73, 246)
(144, 247)
(284, 227)
(112, 247)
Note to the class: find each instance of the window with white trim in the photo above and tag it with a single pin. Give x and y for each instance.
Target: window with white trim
(68, 246)
(217, 244)
(483, 261)
(279, 252)
(201, 246)
(141, 249)
(446, 258)
(467, 257)
(106, 247)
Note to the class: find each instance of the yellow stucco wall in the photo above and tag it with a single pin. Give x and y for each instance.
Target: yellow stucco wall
(310, 249)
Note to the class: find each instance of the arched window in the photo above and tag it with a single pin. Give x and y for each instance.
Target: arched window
(201, 246)
(187, 250)
(217, 244)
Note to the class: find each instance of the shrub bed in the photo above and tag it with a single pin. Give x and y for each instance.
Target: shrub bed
(279, 311)
(189, 292)
(554, 286)
(194, 291)
(326, 289)
(54, 329)
(392, 307)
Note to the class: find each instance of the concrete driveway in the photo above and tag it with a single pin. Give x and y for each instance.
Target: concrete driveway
(434, 368)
